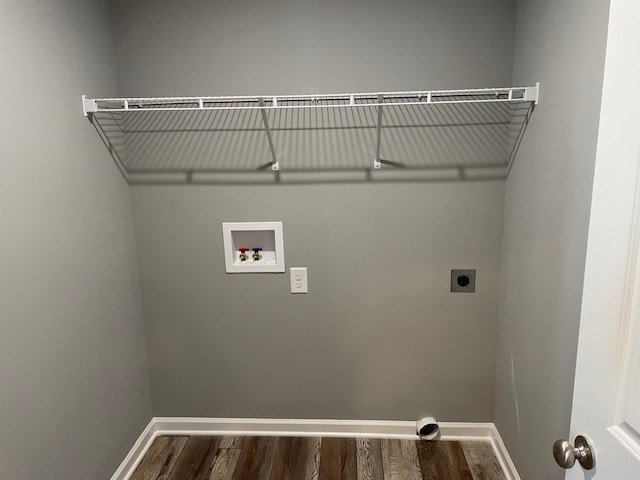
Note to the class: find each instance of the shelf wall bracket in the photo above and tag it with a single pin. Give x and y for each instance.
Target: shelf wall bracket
(377, 164)
(89, 105)
(532, 94)
(265, 122)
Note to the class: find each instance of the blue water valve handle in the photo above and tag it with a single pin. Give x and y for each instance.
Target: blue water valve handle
(256, 253)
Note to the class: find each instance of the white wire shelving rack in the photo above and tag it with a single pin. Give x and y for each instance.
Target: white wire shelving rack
(162, 134)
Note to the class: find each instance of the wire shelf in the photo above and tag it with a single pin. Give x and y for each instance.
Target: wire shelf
(444, 129)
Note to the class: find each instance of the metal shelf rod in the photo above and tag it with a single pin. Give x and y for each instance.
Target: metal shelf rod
(295, 107)
(469, 91)
(432, 97)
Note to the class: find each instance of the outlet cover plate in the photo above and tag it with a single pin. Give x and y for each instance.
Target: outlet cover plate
(299, 282)
(463, 280)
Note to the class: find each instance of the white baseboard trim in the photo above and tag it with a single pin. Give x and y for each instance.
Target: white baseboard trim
(311, 428)
(501, 452)
(140, 447)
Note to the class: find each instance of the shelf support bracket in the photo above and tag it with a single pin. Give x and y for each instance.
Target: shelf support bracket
(377, 164)
(518, 140)
(265, 122)
(532, 94)
(88, 105)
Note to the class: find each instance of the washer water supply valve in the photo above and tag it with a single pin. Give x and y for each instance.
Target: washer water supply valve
(243, 254)
(256, 253)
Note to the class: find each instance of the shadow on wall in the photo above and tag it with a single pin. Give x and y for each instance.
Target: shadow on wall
(448, 142)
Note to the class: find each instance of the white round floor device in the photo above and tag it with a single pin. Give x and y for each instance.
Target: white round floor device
(427, 428)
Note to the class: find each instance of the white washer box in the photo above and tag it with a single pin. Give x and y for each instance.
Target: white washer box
(266, 235)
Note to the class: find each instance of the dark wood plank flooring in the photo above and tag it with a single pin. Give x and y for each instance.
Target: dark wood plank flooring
(313, 458)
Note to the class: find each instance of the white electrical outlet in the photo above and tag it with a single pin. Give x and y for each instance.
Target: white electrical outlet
(299, 280)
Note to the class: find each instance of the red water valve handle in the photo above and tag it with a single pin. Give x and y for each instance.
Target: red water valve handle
(243, 250)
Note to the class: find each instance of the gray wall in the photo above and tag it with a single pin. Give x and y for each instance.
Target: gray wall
(228, 47)
(73, 371)
(562, 44)
(379, 336)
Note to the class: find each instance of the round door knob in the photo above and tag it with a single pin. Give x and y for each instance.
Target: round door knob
(566, 455)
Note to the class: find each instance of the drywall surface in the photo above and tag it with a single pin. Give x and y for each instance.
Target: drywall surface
(229, 47)
(74, 385)
(562, 44)
(379, 335)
